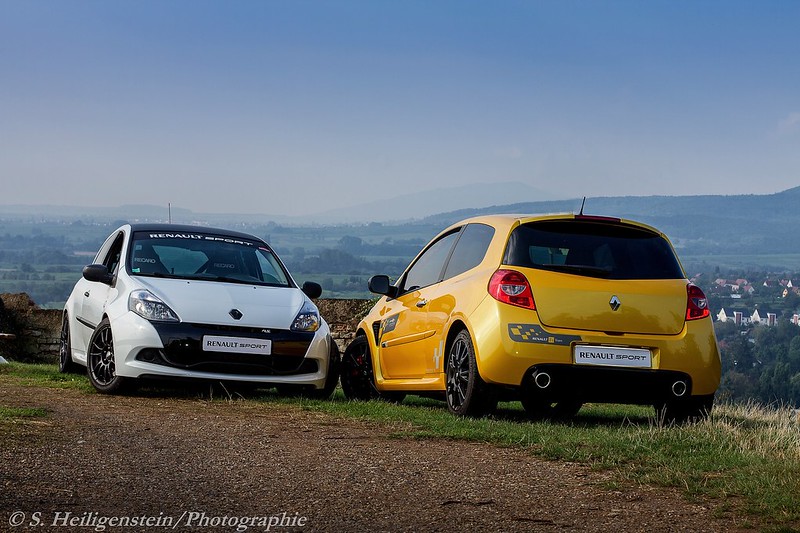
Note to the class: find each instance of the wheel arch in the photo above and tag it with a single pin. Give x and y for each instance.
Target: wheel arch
(66, 318)
(361, 331)
(479, 398)
(66, 356)
(455, 328)
(364, 330)
(108, 318)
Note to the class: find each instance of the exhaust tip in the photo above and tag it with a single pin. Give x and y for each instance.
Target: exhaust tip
(542, 379)
(679, 388)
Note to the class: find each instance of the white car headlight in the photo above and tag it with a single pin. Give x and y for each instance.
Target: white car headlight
(149, 306)
(307, 319)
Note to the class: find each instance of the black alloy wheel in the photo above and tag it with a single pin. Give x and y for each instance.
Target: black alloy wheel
(466, 393)
(65, 363)
(358, 378)
(100, 363)
(358, 382)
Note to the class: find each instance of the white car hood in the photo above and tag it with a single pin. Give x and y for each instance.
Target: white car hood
(211, 302)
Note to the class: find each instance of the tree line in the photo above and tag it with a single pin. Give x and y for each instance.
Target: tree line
(760, 362)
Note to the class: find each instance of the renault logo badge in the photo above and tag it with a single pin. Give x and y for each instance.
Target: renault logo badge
(615, 303)
(235, 314)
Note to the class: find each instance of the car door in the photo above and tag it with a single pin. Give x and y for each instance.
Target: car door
(443, 298)
(405, 325)
(97, 294)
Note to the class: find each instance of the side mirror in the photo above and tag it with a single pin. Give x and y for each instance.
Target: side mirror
(380, 285)
(312, 290)
(98, 274)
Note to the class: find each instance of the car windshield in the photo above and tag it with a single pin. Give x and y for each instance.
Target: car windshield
(591, 248)
(205, 256)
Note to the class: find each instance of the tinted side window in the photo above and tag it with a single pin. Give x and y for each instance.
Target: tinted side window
(271, 271)
(470, 249)
(597, 249)
(102, 254)
(111, 260)
(428, 268)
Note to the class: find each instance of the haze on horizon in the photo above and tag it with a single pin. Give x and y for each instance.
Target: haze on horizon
(300, 107)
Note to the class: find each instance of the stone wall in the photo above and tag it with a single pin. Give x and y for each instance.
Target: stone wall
(37, 331)
(342, 317)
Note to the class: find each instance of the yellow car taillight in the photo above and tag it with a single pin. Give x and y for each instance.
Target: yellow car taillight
(511, 287)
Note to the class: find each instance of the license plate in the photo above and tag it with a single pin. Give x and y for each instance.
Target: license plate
(213, 343)
(612, 356)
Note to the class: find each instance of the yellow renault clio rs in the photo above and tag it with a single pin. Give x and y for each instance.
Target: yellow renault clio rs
(553, 311)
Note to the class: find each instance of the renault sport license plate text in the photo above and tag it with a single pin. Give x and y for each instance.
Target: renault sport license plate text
(612, 356)
(213, 343)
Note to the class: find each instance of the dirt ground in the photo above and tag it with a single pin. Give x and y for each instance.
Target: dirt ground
(186, 464)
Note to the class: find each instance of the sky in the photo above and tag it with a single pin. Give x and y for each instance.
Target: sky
(297, 107)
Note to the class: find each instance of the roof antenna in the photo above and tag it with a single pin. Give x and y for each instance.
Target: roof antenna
(169, 210)
(582, 204)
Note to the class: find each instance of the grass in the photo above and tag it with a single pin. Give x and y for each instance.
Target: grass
(748, 456)
(45, 376)
(13, 420)
(13, 414)
(745, 457)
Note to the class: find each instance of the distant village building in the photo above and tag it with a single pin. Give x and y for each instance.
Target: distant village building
(733, 288)
(758, 317)
(790, 290)
(737, 317)
(764, 318)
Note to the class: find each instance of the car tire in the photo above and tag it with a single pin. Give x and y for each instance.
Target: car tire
(100, 362)
(466, 393)
(357, 376)
(65, 363)
(358, 380)
(691, 410)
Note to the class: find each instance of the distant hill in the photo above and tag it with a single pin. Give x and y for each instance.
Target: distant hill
(421, 204)
(747, 224)
(401, 208)
(122, 212)
(698, 225)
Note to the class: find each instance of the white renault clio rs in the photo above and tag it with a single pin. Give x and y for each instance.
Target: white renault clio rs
(170, 301)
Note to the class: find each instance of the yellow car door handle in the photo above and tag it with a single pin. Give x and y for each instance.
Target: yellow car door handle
(422, 303)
